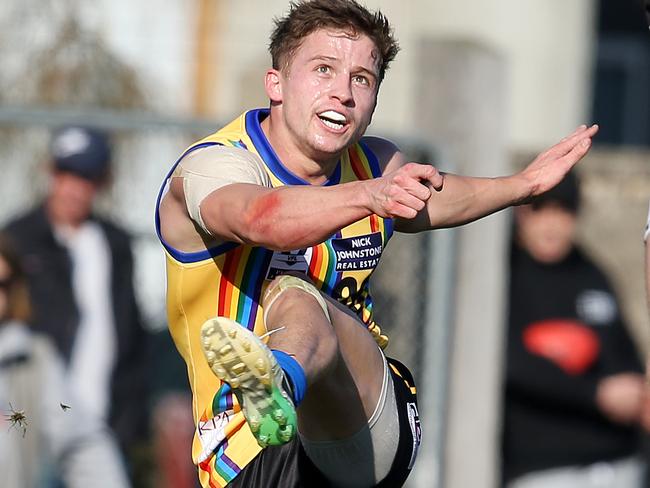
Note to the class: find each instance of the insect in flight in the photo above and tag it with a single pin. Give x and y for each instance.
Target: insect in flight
(17, 418)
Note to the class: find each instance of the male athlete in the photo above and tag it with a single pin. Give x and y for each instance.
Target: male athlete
(272, 227)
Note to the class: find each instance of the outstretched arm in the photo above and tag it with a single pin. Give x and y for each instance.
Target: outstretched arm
(463, 199)
(207, 203)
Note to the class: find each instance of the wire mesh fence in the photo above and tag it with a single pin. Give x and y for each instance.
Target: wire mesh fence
(140, 161)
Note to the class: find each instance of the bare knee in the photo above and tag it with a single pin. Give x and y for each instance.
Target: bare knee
(302, 326)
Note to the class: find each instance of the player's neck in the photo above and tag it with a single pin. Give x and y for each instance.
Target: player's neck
(310, 168)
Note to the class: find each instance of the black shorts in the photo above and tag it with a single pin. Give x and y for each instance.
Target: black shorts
(288, 466)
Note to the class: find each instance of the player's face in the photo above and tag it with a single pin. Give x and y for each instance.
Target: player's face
(328, 92)
(547, 233)
(71, 198)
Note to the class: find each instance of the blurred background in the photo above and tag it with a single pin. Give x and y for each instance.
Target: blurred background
(478, 88)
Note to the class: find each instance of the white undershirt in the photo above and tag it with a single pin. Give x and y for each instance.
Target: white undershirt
(93, 353)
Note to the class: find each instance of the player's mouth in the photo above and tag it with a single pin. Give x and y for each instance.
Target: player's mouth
(333, 120)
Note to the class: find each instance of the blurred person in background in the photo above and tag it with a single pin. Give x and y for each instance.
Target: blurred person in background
(171, 418)
(79, 269)
(574, 396)
(54, 440)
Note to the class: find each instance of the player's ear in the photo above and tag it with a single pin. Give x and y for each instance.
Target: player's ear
(273, 85)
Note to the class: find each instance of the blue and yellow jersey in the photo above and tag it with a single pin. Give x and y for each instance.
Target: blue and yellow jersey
(229, 281)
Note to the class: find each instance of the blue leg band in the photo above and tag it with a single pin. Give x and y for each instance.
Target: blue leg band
(294, 374)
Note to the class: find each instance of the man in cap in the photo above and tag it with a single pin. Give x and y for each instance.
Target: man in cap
(80, 274)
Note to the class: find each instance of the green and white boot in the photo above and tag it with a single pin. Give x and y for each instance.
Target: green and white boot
(240, 358)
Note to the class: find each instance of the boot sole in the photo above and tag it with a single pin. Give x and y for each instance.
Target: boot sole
(238, 357)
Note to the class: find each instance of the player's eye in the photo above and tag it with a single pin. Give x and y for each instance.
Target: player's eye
(360, 79)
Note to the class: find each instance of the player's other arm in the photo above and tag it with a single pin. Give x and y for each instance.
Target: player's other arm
(463, 199)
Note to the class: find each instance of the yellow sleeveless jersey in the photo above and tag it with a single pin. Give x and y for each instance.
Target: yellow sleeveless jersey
(229, 281)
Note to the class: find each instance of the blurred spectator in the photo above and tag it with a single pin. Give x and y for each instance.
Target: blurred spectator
(54, 433)
(574, 394)
(172, 420)
(80, 275)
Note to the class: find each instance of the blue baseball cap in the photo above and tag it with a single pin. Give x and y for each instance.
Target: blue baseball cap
(83, 151)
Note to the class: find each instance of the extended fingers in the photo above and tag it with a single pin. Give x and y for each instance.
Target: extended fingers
(577, 152)
(581, 128)
(566, 145)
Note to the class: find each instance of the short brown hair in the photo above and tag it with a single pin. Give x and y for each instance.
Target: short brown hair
(307, 16)
(18, 305)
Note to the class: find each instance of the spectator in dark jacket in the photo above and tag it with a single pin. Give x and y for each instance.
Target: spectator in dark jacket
(47, 437)
(80, 275)
(574, 393)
